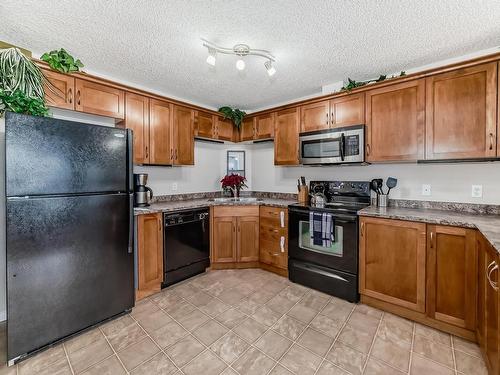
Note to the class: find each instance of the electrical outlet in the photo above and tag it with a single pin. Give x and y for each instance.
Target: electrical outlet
(426, 189)
(174, 186)
(477, 191)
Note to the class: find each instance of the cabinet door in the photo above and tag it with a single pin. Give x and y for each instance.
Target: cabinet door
(314, 116)
(461, 113)
(204, 124)
(224, 129)
(183, 136)
(395, 122)
(160, 132)
(149, 254)
(264, 126)
(224, 239)
(392, 261)
(247, 132)
(492, 326)
(248, 239)
(452, 275)
(286, 137)
(99, 99)
(481, 290)
(137, 119)
(347, 110)
(61, 93)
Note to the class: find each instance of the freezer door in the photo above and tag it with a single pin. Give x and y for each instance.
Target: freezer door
(68, 266)
(46, 156)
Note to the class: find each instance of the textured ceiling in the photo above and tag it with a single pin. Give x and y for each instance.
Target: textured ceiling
(156, 44)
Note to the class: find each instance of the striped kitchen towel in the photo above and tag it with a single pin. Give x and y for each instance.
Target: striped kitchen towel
(322, 228)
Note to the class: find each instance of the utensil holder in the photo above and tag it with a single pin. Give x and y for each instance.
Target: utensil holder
(304, 194)
(382, 200)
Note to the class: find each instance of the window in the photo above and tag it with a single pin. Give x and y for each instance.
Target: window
(236, 162)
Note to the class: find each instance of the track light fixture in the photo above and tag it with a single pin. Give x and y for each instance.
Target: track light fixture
(240, 50)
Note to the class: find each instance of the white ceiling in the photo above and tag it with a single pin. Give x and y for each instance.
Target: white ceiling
(156, 44)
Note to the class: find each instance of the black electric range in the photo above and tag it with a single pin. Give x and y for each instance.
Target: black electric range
(332, 269)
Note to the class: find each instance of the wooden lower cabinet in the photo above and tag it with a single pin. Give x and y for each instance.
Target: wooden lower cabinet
(273, 238)
(235, 235)
(452, 275)
(149, 254)
(392, 262)
(427, 273)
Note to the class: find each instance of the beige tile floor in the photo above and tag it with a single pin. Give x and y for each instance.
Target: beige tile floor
(252, 322)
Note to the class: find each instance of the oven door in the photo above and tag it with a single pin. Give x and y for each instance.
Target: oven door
(341, 255)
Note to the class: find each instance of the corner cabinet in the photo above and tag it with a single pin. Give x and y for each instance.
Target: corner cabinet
(392, 262)
(247, 131)
(235, 236)
(395, 122)
(461, 110)
(149, 254)
(224, 130)
(452, 275)
(286, 137)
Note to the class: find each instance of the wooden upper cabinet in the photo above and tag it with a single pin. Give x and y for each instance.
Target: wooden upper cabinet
(183, 136)
(160, 132)
(395, 122)
(225, 129)
(149, 254)
(452, 275)
(264, 126)
(314, 116)
(347, 110)
(61, 93)
(247, 131)
(286, 137)
(392, 261)
(204, 124)
(224, 240)
(461, 109)
(248, 239)
(137, 119)
(99, 99)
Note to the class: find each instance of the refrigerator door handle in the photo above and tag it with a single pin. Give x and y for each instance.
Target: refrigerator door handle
(130, 160)
(131, 224)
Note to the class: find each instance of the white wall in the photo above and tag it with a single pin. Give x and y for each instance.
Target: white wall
(449, 182)
(210, 166)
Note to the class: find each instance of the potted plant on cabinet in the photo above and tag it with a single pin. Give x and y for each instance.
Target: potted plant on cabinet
(233, 183)
(235, 115)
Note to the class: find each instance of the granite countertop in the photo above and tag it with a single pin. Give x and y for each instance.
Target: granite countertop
(205, 202)
(487, 224)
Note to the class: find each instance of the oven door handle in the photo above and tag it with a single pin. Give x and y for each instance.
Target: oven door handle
(337, 217)
(342, 147)
(307, 267)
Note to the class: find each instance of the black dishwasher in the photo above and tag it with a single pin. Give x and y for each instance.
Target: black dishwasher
(186, 244)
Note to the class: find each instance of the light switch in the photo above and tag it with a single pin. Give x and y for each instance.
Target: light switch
(174, 186)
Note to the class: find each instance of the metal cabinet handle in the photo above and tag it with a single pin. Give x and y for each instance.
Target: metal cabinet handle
(362, 229)
(432, 240)
(78, 97)
(494, 284)
(368, 149)
(159, 225)
(171, 154)
(327, 118)
(175, 154)
(491, 141)
(70, 96)
(147, 154)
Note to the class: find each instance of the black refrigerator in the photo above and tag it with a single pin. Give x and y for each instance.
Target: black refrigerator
(69, 217)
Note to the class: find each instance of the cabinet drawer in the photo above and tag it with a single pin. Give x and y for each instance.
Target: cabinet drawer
(272, 233)
(271, 216)
(270, 253)
(226, 211)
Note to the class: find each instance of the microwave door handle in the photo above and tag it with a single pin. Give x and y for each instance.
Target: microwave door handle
(342, 146)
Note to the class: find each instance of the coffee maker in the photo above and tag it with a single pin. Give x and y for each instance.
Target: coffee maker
(142, 193)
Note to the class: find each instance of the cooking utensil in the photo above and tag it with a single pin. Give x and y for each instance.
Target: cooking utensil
(318, 199)
(373, 185)
(380, 185)
(391, 184)
(303, 180)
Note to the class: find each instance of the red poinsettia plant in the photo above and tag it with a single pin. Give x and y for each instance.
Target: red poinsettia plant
(233, 182)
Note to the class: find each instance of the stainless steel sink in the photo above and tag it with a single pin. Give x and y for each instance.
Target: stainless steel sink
(241, 199)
